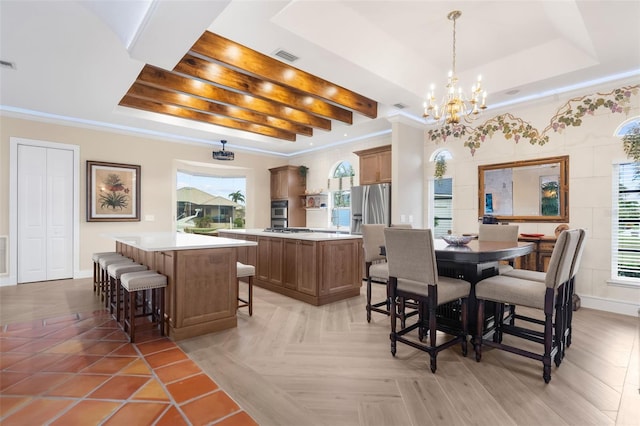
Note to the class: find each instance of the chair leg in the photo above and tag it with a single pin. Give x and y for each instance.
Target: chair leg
(479, 330)
(368, 299)
(393, 336)
(132, 316)
(432, 331)
(251, 296)
(465, 326)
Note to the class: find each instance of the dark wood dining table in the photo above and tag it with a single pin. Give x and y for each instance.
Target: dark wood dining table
(472, 262)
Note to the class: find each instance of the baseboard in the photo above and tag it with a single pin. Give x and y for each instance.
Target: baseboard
(610, 305)
(87, 273)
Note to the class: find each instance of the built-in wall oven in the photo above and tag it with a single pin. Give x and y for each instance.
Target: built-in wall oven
(279, 213)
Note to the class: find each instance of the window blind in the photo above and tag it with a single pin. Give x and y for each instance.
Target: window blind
(626, 223)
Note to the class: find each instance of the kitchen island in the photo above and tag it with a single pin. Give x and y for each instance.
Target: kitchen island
(313, 267)
(201, 294)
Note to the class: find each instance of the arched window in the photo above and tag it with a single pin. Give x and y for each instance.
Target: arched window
(339, 185)
(625, 235)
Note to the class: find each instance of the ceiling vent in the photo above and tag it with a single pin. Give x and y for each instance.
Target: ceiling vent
(7, 64)
(223, 155)
(400, 106)
(283, 54)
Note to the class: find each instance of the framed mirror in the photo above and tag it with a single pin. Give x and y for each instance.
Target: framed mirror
(525, 191)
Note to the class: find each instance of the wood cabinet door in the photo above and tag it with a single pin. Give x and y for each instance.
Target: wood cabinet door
(384, 164)
(252, 251)
(307, 270)
(263, 262)
(207, 290)
(339, 268)
(290, 279)
(270, 253)
(369, 169)
(279, 184)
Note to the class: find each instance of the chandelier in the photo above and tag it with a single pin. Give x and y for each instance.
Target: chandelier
(455, 104)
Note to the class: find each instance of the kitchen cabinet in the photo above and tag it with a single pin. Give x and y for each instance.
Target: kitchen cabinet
(339, 266)
(246, 255)
(201, 293)
(375, 165)
(287, 184)
(316, 268)
(269, 260)
(300, 265)
(539, 258)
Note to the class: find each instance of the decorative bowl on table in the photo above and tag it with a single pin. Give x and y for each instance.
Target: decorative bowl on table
(457, 240)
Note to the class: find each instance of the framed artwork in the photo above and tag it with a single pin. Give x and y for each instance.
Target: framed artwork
(113, 192)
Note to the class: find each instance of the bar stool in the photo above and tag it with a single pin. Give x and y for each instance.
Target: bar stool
(115, 271)
(134, 282)
(244, 271)
(96, 265)
(104, 263)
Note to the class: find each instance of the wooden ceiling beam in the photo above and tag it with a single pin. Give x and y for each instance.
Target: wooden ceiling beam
(226, 51)
(198, 104)
(219, 74)
(151, 106)
(157, 77)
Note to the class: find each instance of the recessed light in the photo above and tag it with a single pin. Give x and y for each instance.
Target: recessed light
(512, 92)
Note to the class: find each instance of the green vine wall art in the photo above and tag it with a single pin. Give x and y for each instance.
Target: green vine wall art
(571, 114)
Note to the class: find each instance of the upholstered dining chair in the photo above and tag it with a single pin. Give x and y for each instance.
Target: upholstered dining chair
(413, 274)
(499, 233)
(375, 265)
(547, 296)
(567, 296)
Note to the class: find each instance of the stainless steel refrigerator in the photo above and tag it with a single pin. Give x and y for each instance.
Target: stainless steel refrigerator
(370, 204)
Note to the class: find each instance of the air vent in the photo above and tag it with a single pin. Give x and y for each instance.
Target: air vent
(283, 54)
(223, 155)
(7, 64)
(400, 106)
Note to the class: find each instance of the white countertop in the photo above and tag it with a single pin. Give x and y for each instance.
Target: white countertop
(308, 236)
(159, 241)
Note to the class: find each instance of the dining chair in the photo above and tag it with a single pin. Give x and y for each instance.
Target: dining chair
(375, 266)
(547, 296)
(413, 274)
(567, 296)
(499, 233)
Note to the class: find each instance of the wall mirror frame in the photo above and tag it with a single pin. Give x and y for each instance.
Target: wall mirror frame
(525, 191)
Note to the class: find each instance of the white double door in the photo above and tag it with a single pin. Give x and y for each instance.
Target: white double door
(45, 213)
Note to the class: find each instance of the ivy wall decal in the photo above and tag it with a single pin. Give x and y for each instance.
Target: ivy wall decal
(570, 114)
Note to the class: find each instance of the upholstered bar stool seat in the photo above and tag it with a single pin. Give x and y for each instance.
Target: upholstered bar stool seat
(134, 282)
(245, 271)
(115, 271)
(104, 263)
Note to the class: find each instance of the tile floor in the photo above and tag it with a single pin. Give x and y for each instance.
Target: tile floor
(80, 370)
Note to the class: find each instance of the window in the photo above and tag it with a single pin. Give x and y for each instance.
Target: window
(442, 206)
(441, 200)
(340, 193)
(626, 224)
(206, 203)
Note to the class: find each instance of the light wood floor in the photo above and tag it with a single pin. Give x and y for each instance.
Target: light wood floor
(296, 364)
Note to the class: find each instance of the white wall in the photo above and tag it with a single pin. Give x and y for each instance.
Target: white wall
(159, 159)
(592, 151)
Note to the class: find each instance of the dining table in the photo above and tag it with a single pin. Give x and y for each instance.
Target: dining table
(471, 262)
